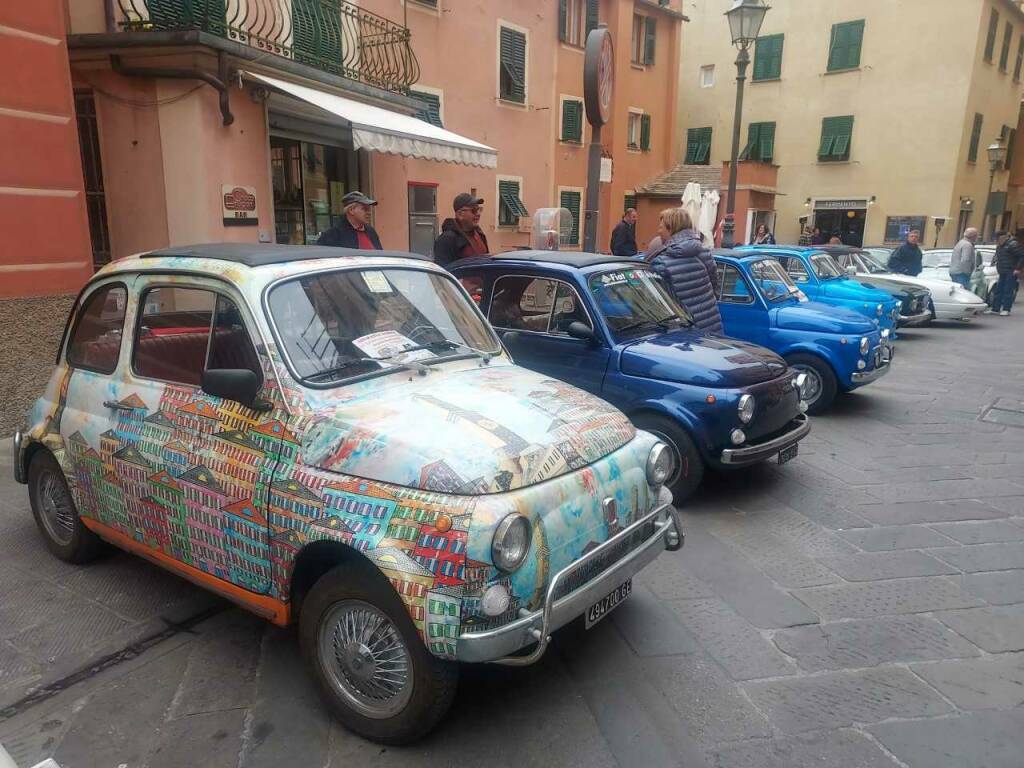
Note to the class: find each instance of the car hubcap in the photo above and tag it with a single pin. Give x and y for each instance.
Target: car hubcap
(56, 509)
(366, 659)
(813, 384)
(680, 463)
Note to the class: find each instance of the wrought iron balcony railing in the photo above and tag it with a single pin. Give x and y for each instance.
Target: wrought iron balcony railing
(332, 35)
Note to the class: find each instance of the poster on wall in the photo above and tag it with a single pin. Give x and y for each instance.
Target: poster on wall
(898, 227)
(239, 206)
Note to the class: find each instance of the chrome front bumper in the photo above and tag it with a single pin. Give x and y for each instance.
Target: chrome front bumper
(908, 321)
(754, 453)
(19, 459)
(866, 377)
(535, 627)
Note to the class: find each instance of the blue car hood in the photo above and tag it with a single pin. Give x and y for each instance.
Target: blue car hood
(851, 290)
(821, 318)
(691, 357)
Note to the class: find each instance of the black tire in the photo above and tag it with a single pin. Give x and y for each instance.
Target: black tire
(829, 386)
(356, 587)
(689, 468)
(56, 514)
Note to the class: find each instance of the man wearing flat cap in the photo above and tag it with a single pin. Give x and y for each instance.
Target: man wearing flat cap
(353, 231)
(461, 236)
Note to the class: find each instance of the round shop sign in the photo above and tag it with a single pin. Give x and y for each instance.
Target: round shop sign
(598, 76)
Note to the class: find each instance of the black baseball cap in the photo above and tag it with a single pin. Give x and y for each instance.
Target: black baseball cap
(464, 200)
(357, 197)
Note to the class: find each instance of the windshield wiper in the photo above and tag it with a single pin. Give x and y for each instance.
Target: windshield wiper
(660, 324)
(327, 372)
(485, 357)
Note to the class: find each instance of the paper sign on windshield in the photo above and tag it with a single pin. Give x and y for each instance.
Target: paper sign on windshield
(389, 344)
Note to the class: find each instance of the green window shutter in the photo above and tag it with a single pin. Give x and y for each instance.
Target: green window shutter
(650, 30)
(1020, 59)
(768, 57)
(990, 40)
(572, 120)
(972, 152)
(1004, 55)
(1011, 136)
(766, 142)
(692, 141)
(836, 138)
(592, 8)
(645, 131)
(628, 201)
(844, 51)
(571, 201)
(431, 109)
(703, 147)
(828, 138)
(752, 132)
(510, 206)
(512, 85)
(316, 35)
(563, 19)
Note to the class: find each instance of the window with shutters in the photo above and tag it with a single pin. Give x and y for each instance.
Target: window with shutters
(990, 40)
(572, 120)
(1009, 135)
(836, 138)
(430, 111)
(1004, 54)
(575, 20)
(512, 65)
(644, 38)
(972, 151)
(571, 200)
(698, 146)
(629, 201)
(645, 132)
(510, 202)
(768, 58)
(844, 49)
(633, 129)
(1020, 59)
(760, 145)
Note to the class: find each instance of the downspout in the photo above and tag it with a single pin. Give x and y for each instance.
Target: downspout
(219, 83)
(108, 15)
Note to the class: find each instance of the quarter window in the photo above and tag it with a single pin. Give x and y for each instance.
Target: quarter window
(95, 343)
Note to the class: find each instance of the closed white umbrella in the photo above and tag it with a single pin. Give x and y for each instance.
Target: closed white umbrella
(692, 201)
(708, 216)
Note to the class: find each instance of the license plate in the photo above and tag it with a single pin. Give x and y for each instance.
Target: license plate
(788, 453)
(604, 606)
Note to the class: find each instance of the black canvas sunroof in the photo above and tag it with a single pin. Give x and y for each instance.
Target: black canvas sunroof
(261, 254)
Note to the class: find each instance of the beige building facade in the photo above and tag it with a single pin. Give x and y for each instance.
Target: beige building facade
(876, 113)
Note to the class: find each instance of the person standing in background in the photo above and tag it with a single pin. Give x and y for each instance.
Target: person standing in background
(624, 235)
(906, 260)
(762, 236)
(461, 237)
(1009, 262)
(688, 269)
(964, 259)
(354, 230)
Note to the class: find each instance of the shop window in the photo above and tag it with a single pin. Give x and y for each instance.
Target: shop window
(698, 146)
(95, 343)
(575, 20)
(760, 143)
(512, 66)
(768, 58)
(844, 49)
(309, 180)
(836, 137)
(572, 120)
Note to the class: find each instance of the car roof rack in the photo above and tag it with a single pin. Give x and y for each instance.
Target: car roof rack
(261, 254)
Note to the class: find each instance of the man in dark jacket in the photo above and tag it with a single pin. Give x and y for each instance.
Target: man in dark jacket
(353, 231)
(906, 260)
(1009, 262)
(624, 235)
(461, 236)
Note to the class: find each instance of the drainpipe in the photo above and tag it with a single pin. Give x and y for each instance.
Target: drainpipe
(219, 83)
(108, 14)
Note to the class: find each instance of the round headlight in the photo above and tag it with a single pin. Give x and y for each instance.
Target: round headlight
(800, 382)
(511, 542)
(746, 408)
(879, 309)
(659, 465)
(885, 333)
(864, 345)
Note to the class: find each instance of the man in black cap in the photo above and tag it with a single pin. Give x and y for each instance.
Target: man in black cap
(353, 231)
(461, 237)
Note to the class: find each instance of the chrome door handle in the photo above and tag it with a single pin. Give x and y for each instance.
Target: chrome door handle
(118, 406)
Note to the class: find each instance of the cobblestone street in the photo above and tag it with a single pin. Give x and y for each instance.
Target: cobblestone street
(861, 606)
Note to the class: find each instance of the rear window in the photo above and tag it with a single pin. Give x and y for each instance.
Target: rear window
(95, 343)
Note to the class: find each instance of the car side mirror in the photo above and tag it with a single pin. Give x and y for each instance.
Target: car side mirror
(581, 331)
(851, 270)
(238, 384)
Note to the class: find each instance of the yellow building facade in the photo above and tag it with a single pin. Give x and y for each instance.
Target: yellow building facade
(877, 113)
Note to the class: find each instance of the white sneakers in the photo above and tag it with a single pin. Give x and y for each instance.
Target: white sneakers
(1004, 313)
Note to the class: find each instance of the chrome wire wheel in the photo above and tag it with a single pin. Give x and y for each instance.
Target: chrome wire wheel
(813, 384)
(56, 508)
(365, 659)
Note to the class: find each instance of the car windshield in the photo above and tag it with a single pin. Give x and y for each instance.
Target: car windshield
(773, 280)
(636, 300)
(871, 263)
(350, 323)
(936, 258)
(825, 266)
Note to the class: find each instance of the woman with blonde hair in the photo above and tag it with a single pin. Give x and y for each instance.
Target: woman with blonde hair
(687, 268)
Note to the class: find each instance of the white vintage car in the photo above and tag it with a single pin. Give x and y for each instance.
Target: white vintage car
(950, 301)
(935, 264)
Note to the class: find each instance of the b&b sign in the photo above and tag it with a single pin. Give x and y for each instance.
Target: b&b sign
(239, 206)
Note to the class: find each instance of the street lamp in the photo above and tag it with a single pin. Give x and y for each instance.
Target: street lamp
(745, 19)
(996, 155)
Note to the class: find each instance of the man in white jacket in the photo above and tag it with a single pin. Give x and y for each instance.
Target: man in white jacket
(964, 260)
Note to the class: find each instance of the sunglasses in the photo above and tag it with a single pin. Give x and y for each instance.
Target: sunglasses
(472, 208)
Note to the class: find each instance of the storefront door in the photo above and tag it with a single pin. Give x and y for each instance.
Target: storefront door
(847, 224)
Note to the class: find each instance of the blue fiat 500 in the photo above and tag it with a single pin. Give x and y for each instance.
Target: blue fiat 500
(838, 349)
(609, 326)
(818, 275)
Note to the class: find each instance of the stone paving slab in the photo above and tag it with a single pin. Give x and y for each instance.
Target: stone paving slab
(870, 642)
(886, 598)
(929, 512)
(841, 748)
(872, 566)
(996, 629)
(980, 740)
(890, 537)
(975, 558)
(986, 532)
(942, 490)
(998, 588)
(994, 682)
(839, 699)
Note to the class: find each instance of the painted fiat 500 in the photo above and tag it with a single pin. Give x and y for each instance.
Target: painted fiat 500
(838, 349)
(337, 438)
(610, 327)
(821, 279)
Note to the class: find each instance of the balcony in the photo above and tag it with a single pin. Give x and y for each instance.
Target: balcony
(333, 36)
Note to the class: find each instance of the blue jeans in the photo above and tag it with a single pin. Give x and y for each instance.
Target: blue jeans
(1004, 292)
(962, 279)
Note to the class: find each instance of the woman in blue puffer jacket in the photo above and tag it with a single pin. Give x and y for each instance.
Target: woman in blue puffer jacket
(688, 269)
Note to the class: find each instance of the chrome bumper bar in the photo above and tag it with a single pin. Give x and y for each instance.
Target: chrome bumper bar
(19, 461)
(752, 454)
(531, 627)
(908, 321)
(866, 377)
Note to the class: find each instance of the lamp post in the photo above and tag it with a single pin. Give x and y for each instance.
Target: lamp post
(996, 154)
(745, 19)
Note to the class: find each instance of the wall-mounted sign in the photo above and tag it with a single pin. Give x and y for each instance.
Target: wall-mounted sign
(898, 227)
(239, 206)
(839, 205)
(606, 170)
(598, 76)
